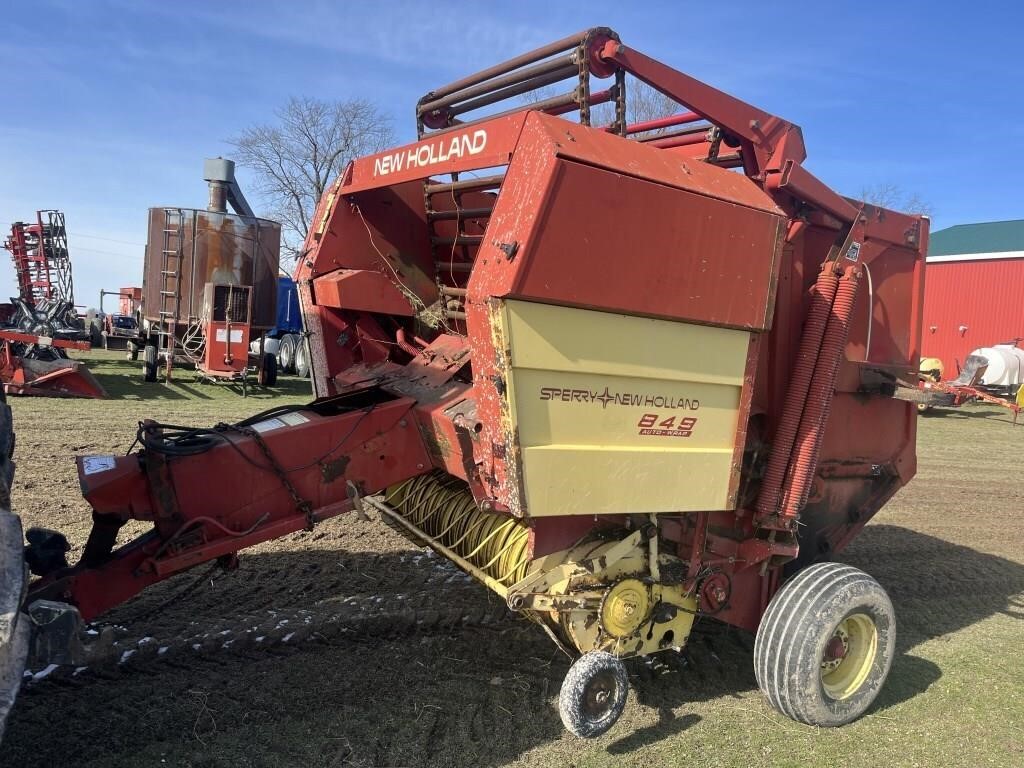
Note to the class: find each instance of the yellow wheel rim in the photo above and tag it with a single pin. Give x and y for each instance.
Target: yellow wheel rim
(625, 607)
(849, 656)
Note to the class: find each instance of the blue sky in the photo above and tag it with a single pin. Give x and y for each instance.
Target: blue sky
(111, 105)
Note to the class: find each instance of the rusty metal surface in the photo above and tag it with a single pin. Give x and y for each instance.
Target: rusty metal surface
(216, 248)
(575, 225)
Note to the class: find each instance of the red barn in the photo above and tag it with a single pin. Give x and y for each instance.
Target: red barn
(974, 290)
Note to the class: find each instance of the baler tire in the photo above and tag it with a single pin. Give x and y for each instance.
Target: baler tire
(286, 353)
(825, 604)
(581, 715)
(149, 363)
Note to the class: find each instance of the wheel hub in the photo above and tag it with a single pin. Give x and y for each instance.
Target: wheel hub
(849, 655)
(598, 694)
(836, 650)
(625, 607)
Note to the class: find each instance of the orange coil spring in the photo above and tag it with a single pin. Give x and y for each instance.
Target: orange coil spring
(444, 509)
(819, 396)
(822, 295)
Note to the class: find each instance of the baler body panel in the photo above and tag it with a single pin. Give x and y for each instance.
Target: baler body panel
(614, 413)
(606, 224)
(597, 223)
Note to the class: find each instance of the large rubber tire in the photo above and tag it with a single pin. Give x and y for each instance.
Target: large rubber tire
(302, 358)
(96, 336)
(149, 363)
(593, 694)
(268, 371)
(802, 662)
(286, 353)
(14, 625)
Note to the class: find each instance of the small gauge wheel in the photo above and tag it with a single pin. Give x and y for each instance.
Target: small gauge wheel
(593, 694)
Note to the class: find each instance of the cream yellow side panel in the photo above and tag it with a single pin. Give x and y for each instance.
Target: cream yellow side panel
(616, 413)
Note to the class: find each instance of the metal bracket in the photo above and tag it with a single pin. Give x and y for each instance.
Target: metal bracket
(533, 590)
(357, 500)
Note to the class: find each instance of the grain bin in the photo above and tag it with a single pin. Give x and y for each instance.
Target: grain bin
(213, 247)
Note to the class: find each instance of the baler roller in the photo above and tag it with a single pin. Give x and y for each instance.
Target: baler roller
(573, 58)
(523, 60)
(483, 182)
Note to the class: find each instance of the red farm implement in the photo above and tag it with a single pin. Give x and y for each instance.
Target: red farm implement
(40, 324)
(624, 378)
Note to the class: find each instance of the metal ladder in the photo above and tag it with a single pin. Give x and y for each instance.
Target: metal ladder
(170, 284)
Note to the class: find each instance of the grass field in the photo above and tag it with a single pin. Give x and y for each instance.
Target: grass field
(949, 550)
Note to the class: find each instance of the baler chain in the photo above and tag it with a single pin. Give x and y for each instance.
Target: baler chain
(301, 504)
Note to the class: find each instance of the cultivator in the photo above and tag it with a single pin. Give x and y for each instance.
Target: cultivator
(40, 324)
(42, 263)
(629, 381)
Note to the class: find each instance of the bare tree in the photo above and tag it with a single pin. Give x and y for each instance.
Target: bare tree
(645, 103)
(297, 157)
(894, 197)
(642, 103)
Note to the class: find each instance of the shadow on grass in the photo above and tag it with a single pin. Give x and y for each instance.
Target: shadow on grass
(668, 725)
(122, 380)
(460, 698)
(988, 414)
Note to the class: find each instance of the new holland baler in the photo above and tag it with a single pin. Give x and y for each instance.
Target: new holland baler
(627, 375)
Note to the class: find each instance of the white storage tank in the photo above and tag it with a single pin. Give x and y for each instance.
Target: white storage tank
(1005, 366)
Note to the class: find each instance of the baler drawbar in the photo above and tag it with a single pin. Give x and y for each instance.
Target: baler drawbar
(627, 375)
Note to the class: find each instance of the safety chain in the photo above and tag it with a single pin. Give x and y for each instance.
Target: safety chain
(300, 503)
(175, 599)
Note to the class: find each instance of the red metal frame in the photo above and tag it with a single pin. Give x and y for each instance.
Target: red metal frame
(62, 378)
(964, 394)
(38, 276)
(393, 246)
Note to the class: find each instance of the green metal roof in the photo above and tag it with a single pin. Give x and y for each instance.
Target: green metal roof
(986, 237)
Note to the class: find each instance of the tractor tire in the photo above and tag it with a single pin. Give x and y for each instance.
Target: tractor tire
(286, 353)
(302, 358)
(149, 363)
(825, 645)
(14, 625)
(267, 376)
(96, 335)
(593, 694)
